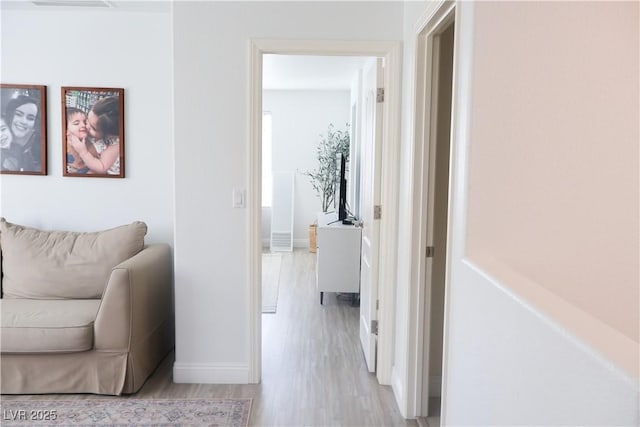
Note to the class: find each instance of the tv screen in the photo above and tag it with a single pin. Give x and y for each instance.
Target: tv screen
(342, 189)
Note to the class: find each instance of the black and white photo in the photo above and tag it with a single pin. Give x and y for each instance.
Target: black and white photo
(23, 136)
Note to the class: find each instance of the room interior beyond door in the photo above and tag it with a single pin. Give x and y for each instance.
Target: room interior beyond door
(302, 95)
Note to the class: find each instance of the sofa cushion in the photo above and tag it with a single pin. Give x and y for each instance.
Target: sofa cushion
(41, 264)
(47, 326)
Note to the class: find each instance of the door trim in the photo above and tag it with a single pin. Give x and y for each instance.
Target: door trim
(430, 25)
(424, 146)
(392, 54)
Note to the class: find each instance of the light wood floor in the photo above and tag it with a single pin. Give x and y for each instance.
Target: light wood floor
(313, 370)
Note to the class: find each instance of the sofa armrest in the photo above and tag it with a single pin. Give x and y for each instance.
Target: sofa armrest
(136, 301)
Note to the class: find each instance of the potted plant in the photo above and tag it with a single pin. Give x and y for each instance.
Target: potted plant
(323, 179)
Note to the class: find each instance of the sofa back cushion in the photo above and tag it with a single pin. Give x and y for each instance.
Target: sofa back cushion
(41, 264)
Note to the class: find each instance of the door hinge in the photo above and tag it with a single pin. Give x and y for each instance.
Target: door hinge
(377, 212)
(374, 327)
(380, 95)
(430, 251)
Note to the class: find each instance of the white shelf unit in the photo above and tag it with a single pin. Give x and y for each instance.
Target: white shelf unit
(338, 256)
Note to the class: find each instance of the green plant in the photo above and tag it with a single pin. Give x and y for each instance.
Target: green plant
(324, 178)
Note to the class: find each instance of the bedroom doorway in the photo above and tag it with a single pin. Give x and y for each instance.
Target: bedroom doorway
(391, 53)
(305, 99)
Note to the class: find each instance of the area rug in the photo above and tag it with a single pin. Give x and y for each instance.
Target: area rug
(127, 412)
(271, 265)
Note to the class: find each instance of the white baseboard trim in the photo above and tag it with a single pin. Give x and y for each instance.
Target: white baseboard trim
(297, 243)
(208, 373)
(435, 386)
(398, 392)
(300, 243)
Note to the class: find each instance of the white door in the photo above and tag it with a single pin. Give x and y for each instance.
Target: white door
(370, 193)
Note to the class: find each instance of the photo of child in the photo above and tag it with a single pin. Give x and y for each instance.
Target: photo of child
(93, 132)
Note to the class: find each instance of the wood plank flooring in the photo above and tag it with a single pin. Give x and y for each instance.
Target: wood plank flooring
(313, 370)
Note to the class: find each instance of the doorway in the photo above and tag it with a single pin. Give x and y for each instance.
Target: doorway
(310, 103)
(310, 100)
(437, 221)
(391, 53)
(431, 211)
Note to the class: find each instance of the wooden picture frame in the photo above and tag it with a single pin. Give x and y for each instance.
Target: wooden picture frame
(93, 132)
(23, 129)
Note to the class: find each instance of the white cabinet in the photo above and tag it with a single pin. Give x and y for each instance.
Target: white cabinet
(338, 256)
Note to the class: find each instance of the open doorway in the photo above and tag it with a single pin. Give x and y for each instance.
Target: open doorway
(391, 53)
(308, 100)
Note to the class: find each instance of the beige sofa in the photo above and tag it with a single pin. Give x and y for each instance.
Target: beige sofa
(82, 312)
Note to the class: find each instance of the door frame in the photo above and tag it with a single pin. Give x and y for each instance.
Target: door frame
(424, 163)
(430, 25)
(392, 54)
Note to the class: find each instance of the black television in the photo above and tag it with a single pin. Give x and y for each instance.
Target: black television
(342, 189)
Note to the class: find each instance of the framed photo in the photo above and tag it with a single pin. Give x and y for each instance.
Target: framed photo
(93, 132)
(23, 129)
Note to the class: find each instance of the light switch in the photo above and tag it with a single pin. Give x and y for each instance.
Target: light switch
(239, 198)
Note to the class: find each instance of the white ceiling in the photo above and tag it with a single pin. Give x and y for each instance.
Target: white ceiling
(310, 72)
(104, 5)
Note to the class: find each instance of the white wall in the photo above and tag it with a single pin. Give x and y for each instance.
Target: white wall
(553, 110)
(355, 155)
(299, 118)
(82, 47)
(211, 44)
(404, 378)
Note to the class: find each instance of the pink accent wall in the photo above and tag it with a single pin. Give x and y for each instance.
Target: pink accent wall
(554, 158)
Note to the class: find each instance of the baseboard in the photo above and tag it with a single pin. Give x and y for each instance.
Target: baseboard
(435, 386)
(297, 243)
(398, 392)
(207, 373)
(301, 243)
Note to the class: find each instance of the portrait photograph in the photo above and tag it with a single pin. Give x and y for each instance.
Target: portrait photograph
(23, 129)
(93, 132)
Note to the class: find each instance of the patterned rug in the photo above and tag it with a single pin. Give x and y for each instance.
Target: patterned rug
(126, 412)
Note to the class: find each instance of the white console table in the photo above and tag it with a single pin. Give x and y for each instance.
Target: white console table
(338, 256)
